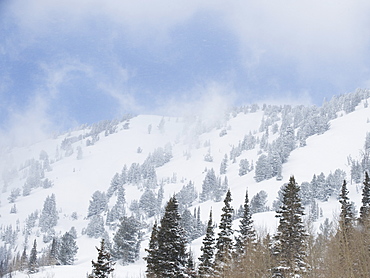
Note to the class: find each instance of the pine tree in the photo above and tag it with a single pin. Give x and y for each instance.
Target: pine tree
(258, 202)
(33, 264)
(346, 217)
(152, 258)
(160, 198)
(114, 184)
(247, 233)
(49, 215)
(365, 208)
(127, 240)
(289, 247)
(98, 203)
(172, 256)
(104, 265)
(53, 253)
(205, 268)
(263, 169)
(67, 249)
(345, 230)
(24, 260)
(244, 167)
(209, 185)
(190, 271)
(223, 165)
(199, 227)
(148, 203)
(95, 228)
(224, 244)
(188, 223)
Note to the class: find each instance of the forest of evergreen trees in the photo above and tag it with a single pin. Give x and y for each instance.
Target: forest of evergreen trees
(341, 249)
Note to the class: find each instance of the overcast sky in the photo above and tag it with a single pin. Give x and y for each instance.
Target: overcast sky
(64, 63)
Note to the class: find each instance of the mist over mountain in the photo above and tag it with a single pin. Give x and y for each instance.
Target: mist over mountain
(84, 182)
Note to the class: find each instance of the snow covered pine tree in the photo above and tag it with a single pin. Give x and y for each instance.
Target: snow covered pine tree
(289, 247)
(167, 257)
(104, 265)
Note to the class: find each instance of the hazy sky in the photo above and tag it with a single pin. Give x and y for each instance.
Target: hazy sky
(79, 61)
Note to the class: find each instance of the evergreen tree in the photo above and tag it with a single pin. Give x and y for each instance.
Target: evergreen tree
(345, 230)
(24, 260)
(205, 268)
(79, 153)
(123, 175)
(258, 202)
(49, 215)
(187, 195)
(224, 244)
(223, 165)
(114, 184)
(67, 249)
(200, 228)
(95, 228)
(209, 185)
(263, 169)
(188, 223)
(244, 167)
(15, 193)
(127, 240)
(104, 265)
(33, 264)
(98, 204)
(172, 256)
(160, 198)
(190, 271)
(53, 253)
(289, 247)
(148, 203)
(365, 208)
(152, 270)
(247, 233)
(217, 191)
(121, 200)
(346, 217)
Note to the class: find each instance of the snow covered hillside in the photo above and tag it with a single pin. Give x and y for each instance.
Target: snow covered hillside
(255, 147)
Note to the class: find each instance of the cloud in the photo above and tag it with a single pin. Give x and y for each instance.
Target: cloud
(27, 126)
(310, 33)
(60, 95)
(296, 29)
(317, 37)
(141, 19)
(209, 101)
(61, 72)
(91, 49)
(116, 87)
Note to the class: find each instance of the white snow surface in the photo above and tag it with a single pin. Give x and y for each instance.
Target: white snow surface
(76, 180)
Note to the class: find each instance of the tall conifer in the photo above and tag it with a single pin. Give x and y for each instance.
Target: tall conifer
(365, 207)
(224, 243)
(33, 264)
(345, 231)
(104, 265)
(289, 247)
(152, 258)
(247, 233)
(205, 268)
(172, 256)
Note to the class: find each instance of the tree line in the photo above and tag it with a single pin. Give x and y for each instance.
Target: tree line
(341, 249)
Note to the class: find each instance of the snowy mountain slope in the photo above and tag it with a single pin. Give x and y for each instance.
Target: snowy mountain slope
(75, 180)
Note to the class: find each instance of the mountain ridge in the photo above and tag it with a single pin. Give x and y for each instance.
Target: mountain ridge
(196, 147)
